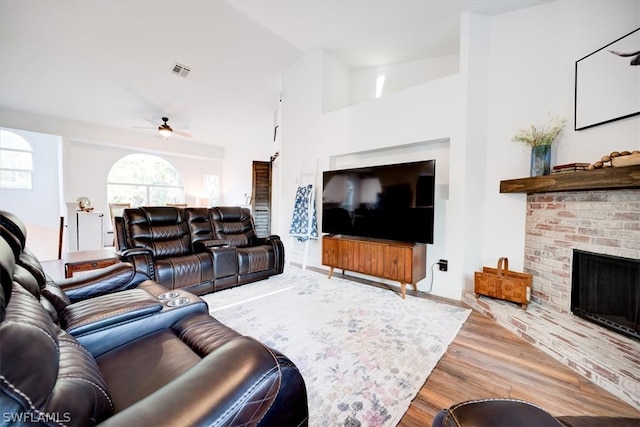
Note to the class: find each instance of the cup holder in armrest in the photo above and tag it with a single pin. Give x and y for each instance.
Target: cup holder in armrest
(168, 295)
(178, 301)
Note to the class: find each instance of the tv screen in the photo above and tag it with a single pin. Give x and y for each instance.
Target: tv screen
(393, 202)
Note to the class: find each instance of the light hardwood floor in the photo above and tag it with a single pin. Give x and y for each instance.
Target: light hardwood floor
(487, 360)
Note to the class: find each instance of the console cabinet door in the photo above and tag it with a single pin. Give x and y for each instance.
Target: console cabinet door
(329, 252)
(403, 262)
(90, 231)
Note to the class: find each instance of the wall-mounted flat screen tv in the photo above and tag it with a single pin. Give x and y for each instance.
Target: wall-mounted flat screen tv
(393, 202)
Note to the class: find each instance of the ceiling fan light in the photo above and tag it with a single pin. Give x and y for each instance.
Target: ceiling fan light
(165, 131)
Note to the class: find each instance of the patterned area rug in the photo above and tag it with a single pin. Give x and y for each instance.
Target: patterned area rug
(364, 352)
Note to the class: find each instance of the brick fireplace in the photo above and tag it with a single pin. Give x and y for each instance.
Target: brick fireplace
(604, 222)
(557, 222)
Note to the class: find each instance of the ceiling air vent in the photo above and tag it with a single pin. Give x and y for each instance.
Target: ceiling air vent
(180, 70)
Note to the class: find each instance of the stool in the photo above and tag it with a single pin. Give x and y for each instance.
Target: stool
(495, 413)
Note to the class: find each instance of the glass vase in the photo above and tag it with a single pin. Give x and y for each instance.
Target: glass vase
(541, 160)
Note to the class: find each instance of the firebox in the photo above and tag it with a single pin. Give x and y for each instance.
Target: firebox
(605, 290)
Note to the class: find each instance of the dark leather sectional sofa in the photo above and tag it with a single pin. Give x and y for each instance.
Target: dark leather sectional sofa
(201, 250)
(120, 349)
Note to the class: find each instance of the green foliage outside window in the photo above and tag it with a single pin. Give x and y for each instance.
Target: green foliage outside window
(144, 180)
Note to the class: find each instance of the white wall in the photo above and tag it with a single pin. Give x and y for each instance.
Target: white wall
(89, 151)
(342, 87)
(238, 160)
(514, 69)
(532, 56)
(400, 76)
(336, 84)
(39, 208)
(406, 125)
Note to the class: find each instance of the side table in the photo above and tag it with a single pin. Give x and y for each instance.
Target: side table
(88, 260)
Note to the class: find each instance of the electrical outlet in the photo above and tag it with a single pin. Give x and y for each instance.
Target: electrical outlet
(444, 264)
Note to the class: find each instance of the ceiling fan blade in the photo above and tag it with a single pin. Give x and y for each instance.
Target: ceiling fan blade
(185, 134)
(143, 127)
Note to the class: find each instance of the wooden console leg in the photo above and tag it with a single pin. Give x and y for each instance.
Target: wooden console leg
(403, 286)
(330, 272)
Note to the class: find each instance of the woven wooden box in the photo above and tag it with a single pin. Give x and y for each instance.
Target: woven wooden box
(504, 284)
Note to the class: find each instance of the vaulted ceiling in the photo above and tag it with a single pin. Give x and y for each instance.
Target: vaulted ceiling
(109, 62)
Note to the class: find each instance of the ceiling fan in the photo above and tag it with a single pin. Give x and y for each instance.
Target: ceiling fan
(166, 131)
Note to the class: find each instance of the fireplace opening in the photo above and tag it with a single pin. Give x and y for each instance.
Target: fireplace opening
(605, 290)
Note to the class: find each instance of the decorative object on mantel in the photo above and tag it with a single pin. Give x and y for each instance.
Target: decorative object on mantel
(618, 159)
(570, 167)
(504, 284)
(540, 138)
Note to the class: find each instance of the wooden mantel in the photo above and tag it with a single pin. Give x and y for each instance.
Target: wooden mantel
(597, 179)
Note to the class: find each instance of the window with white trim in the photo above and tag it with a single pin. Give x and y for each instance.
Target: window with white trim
(144, 180)
(212, 189)
(16, 161)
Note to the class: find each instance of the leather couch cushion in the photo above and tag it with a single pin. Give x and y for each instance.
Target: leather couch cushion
(161, 230)
(199, 224)
(29, 261)
(12, 226)
(137, 369)
(134, 371)
(26, 279)
(233, 224)
(29, 283)
(258, 258)
(186, 271)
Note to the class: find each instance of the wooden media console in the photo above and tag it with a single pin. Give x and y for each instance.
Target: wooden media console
(387, 259)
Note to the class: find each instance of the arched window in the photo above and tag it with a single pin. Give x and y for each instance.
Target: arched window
(16, 161)
(144, 180)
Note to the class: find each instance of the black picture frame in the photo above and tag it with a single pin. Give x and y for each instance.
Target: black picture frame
(607, 83)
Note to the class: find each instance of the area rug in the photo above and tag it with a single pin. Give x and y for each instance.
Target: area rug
(363, 351)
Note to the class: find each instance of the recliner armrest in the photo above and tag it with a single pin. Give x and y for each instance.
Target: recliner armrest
(134, 251)
(142, 260)
(97, 313)
(266, 240)
(278, 248)
(117, 277)
(205, 396)
(203, 245)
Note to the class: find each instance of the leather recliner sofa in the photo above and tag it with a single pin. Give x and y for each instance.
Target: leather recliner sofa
(232, 228)
(197, 249)
(130, 357)
(157, 241)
